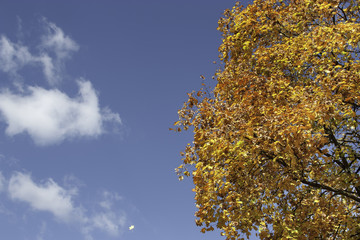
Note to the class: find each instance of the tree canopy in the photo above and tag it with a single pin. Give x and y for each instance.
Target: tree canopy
(276, 142)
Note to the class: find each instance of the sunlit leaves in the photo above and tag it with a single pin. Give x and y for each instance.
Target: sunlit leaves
(276, 143)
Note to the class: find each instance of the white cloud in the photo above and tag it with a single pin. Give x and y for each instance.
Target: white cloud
(45, 197)
(50, 116)
(51, 197)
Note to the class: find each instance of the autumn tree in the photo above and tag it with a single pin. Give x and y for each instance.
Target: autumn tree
(276, 142)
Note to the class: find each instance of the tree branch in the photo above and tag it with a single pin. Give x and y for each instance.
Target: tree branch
(331, 189)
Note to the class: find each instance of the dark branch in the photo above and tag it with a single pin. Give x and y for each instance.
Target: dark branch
(331, 189)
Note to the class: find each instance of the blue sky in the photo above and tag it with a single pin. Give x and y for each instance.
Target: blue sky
(88, 92)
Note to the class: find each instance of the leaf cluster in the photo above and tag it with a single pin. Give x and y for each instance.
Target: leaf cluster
(276, 144)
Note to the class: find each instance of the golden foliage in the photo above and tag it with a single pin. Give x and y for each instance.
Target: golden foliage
(276, 146)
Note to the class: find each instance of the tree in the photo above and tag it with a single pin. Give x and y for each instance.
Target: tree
(276, 143)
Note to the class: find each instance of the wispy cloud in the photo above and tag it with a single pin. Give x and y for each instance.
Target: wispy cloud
(42, 231)
(50, 116)
(106, 219)
(49, 196)
(2, 182)
(55, 40)
(15, 56)
(62, 46)
(109, 199)
(109, 222)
